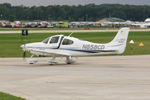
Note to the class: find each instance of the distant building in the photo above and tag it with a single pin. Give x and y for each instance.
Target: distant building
(111, 22)
(112, 19)
(147, 20)
(145, 24)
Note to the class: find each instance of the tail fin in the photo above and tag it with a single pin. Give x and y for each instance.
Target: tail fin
(120, 40)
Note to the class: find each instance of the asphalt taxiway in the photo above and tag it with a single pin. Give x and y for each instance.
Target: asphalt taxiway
(91, 78)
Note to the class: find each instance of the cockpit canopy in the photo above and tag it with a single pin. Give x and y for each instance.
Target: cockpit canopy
(58, 39)
(46, 40)
(53, 39)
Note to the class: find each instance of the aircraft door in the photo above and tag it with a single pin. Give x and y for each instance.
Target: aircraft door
(55, 41)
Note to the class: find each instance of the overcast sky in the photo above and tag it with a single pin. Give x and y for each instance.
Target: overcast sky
(73, 2)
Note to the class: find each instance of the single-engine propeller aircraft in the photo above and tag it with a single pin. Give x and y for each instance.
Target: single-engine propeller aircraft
(70, 47)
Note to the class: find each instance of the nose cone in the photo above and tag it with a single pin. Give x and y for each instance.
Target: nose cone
(22, 46)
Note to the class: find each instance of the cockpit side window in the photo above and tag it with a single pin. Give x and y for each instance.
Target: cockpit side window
(67, 42)
(46, 40)
(54, 39)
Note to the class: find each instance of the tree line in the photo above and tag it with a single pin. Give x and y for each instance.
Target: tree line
(90, 12)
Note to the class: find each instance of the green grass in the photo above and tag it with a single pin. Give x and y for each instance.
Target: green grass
(10, 43)
(5, 96)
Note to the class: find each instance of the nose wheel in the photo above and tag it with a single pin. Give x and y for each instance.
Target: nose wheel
(31, 60)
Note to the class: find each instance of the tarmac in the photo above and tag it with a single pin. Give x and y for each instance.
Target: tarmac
(91, 78)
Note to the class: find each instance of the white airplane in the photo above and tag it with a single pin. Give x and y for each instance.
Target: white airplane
(71, 47)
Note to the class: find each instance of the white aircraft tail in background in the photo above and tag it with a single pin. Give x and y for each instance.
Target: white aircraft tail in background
(69, 47)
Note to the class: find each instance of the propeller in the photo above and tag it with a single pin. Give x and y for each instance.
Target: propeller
(24, 53)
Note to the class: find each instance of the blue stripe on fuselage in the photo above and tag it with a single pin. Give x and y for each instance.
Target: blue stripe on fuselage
(87, 51)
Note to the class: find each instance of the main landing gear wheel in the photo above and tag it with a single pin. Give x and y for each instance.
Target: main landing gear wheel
(52, 61)
(70, 60)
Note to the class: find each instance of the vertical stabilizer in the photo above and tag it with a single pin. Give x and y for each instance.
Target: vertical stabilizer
(120, 40)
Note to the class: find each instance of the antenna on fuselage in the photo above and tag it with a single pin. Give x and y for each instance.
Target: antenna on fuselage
(70, 34)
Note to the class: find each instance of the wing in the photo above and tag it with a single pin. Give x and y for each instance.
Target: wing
(50, 52)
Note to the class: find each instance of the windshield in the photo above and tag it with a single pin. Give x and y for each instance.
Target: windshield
(46, 40)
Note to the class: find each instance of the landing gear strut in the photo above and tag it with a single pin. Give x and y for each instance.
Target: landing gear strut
(70, 60)
(52, 61)
(31, 60)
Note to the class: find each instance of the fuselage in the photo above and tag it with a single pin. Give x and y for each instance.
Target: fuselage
(68, 45)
